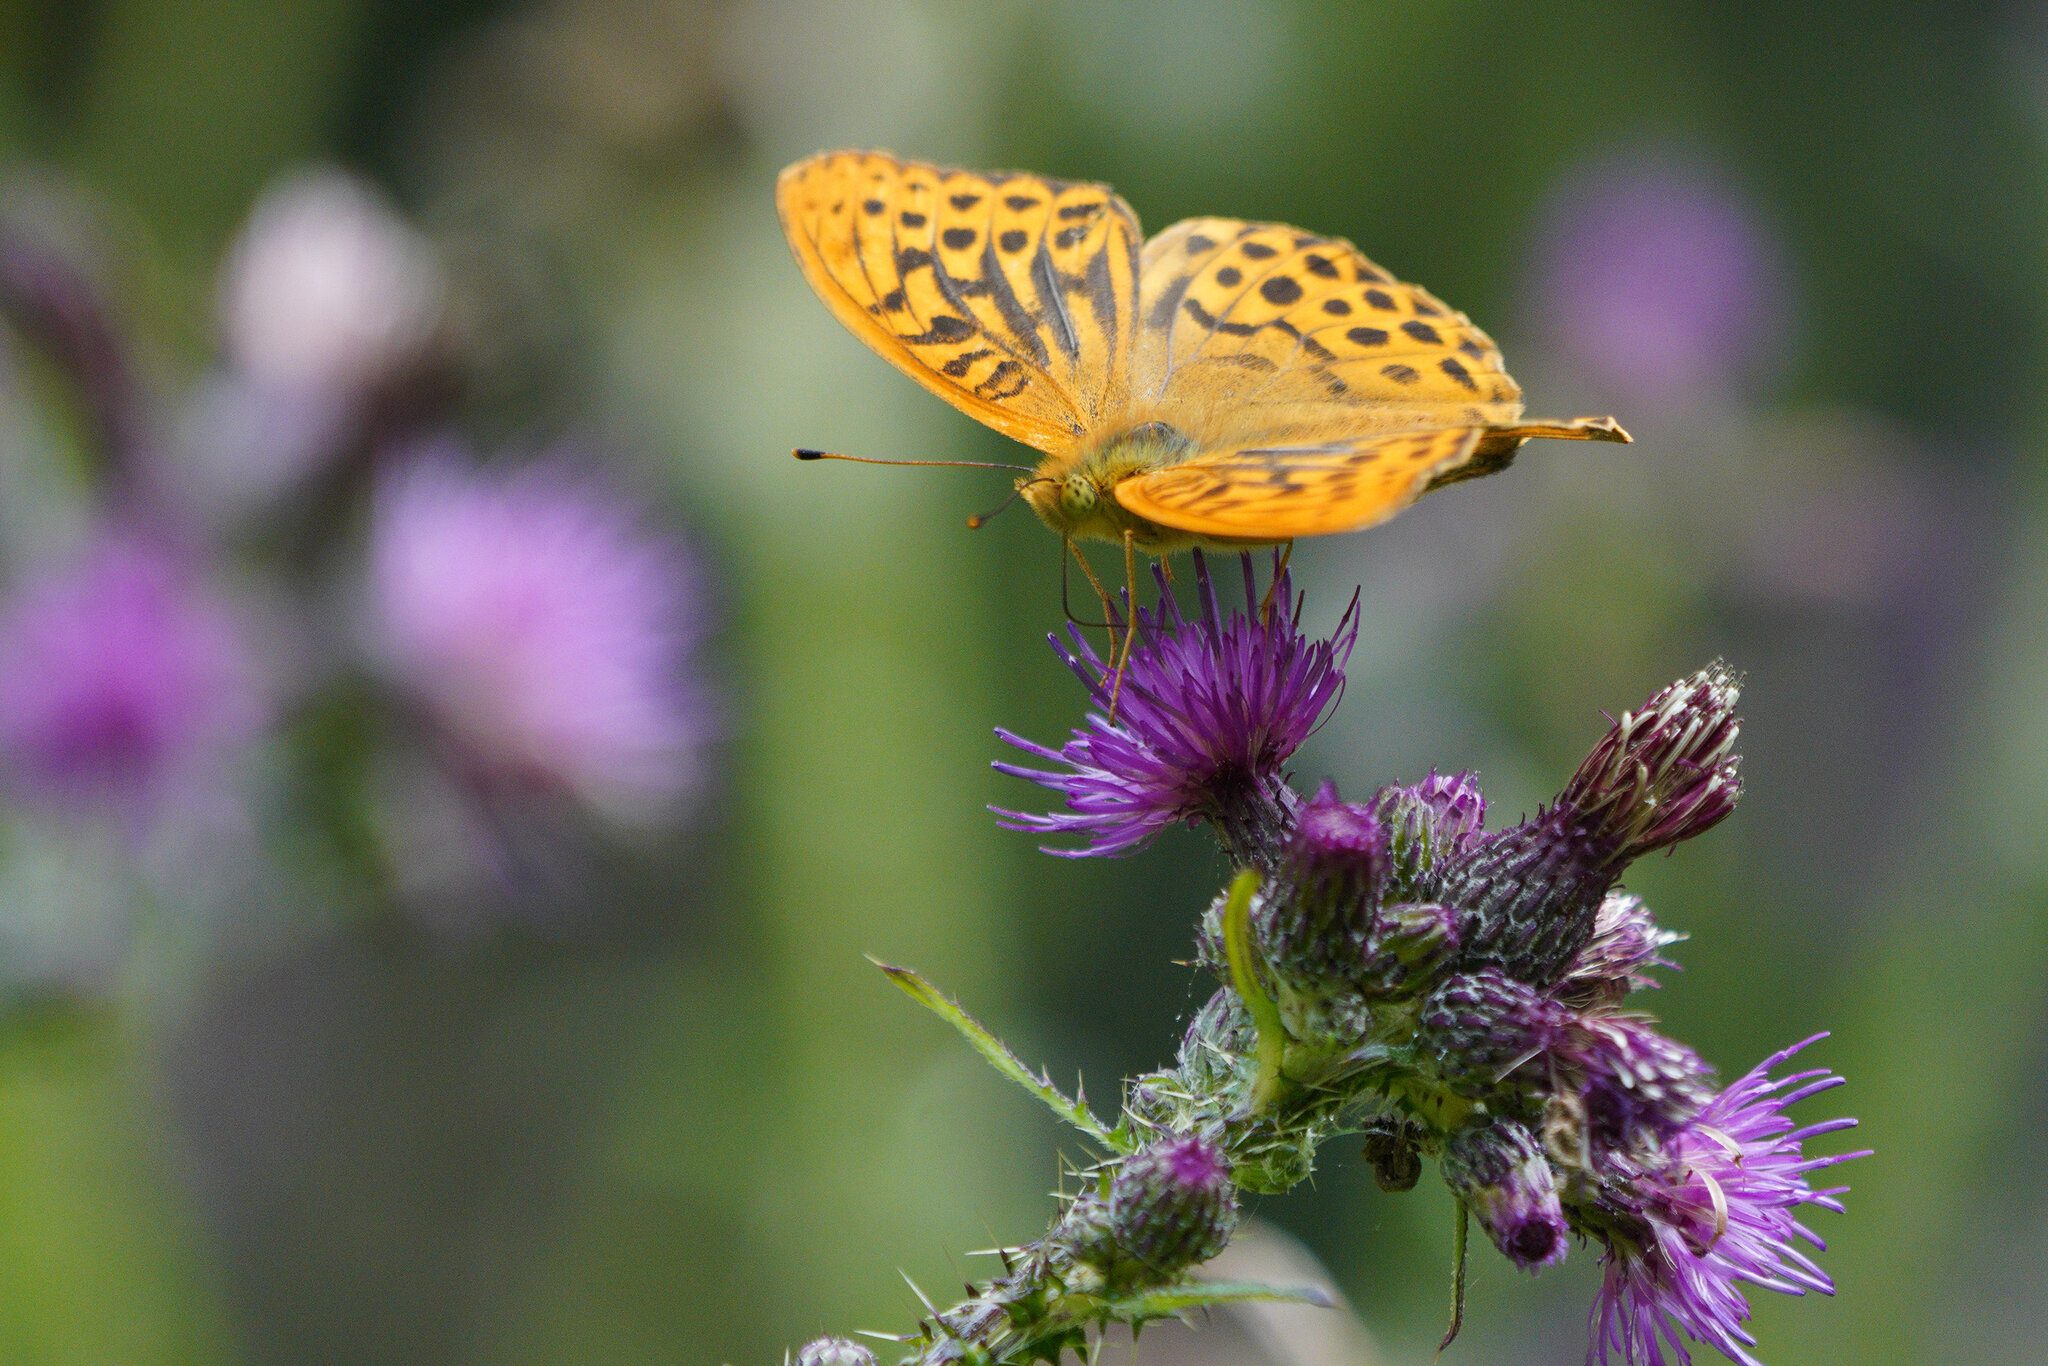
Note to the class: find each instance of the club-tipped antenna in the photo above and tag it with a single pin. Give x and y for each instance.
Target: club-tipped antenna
(982, 519)
(803, 453)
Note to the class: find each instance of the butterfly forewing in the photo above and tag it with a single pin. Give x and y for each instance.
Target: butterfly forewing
(1276, 493)
(1010, 296)
(1294, 333)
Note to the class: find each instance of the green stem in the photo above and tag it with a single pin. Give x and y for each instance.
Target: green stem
(1238, 948)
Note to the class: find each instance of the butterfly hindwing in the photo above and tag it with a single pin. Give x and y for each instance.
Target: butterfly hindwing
(1276, 493)
(1010, 296)
(1291, 329)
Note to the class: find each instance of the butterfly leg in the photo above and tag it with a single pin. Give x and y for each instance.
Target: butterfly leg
(1109, 613)
(1266, 607)
(1131, 624)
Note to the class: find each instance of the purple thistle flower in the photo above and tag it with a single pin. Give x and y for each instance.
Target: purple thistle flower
(540, 624)
(1664, 772)
(1608, 290)
(126, 679)
(1209, 711)
(1626, 945)
(1631, 1081)
(328, 291)
(1719, 1211)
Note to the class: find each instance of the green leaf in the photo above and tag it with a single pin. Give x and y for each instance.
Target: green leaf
(1175, 1299)
(1002, 1059)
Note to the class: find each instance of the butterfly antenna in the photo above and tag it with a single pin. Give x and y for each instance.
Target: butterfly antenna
(803, 453)
(982, 519)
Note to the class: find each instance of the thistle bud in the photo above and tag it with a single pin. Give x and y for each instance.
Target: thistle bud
(1171, 1206)
(1476, 1027)
(1426, 823)
(1409, 946)
(834, 1352)
(1315, 921)
(1626, 944)
(1497, 1169)
(1392, 1147)
(1665, 772)
(1527, 897)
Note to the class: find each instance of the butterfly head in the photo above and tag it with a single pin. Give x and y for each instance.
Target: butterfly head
(1080, 502)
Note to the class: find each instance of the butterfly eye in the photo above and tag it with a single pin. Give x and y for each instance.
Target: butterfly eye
(1077, 496)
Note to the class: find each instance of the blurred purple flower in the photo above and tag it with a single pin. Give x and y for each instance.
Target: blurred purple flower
(543, 627)
(1656, 273)
(1719, 1212)
(125, 678)
(1209, 711)
(327, 291)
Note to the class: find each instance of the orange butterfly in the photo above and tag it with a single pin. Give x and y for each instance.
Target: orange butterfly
(1225, 383)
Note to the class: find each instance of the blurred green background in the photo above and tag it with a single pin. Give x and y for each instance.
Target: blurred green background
(689, 1123)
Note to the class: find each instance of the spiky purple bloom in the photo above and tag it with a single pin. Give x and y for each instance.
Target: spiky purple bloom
(543, 628)
(1606, 288)
(1630, 1080)
(1209, 711)
(1497, 1169)
(1664, 772)
(126, 678)
(1717, 1212)
(1626, 945)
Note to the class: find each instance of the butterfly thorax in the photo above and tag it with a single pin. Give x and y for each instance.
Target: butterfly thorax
(1077, 497)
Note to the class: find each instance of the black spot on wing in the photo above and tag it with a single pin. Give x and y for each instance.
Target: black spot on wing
(958, 367)
(1020, 202)
(1451, 366)
(1229, 276)
(1007, 380)
(1367, 336)
(942, 328)
(964, 202)
(1014, 240)
(1421, 331)
(1281, 289)
(958, 239)
(1258, 251)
